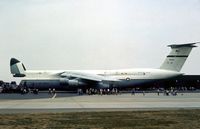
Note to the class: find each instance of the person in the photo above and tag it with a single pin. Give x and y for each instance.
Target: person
(158, 92)
(54, 91)
(133, 91)
(24, 91)
(87, 92)
(95, 91)
(104, 91)
(90, 91)
(113, 91)
(81, 92)
(167, 92)
(101, 92)
(116, 91)
(175, 92)
(50, 91)
(143, 93)
(35, 91)
(108, 91)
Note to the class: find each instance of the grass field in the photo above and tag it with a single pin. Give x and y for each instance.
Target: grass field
(172, 119)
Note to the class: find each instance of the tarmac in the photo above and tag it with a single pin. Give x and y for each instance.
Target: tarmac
(68, 102)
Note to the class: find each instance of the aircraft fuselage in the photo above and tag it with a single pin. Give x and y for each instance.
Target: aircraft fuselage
(124, 78)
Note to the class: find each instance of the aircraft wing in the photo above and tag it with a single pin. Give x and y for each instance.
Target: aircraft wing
(87, 76)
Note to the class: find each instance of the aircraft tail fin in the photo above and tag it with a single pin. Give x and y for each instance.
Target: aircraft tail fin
(17, 68)
(177, 57)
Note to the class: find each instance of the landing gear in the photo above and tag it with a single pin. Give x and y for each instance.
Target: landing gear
(52, 91)
(24, 91)
(35, 91)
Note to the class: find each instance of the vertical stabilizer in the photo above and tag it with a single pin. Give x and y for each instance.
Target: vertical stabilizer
(17, 68)
(177, 57)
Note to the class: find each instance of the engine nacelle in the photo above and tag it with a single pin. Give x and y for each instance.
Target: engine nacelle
(73, 82)
(104, 85)
(68, 82)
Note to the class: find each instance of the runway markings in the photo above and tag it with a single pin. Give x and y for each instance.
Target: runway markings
(54, 96)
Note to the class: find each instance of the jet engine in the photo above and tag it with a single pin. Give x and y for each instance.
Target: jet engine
(69, 82)
(103, 85)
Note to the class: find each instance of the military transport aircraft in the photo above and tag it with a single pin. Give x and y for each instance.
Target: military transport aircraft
(66, 79)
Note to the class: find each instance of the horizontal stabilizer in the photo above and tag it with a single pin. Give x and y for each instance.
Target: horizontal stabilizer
(17, 68)
(183, 45)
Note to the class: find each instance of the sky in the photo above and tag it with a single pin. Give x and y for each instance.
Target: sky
(96, 34)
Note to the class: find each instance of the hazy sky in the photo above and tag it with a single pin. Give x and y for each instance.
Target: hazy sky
(96, 34)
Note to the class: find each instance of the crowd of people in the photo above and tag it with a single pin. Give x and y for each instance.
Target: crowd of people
(106, 91)
(134, 91)
(172, 92)
(114, 91)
